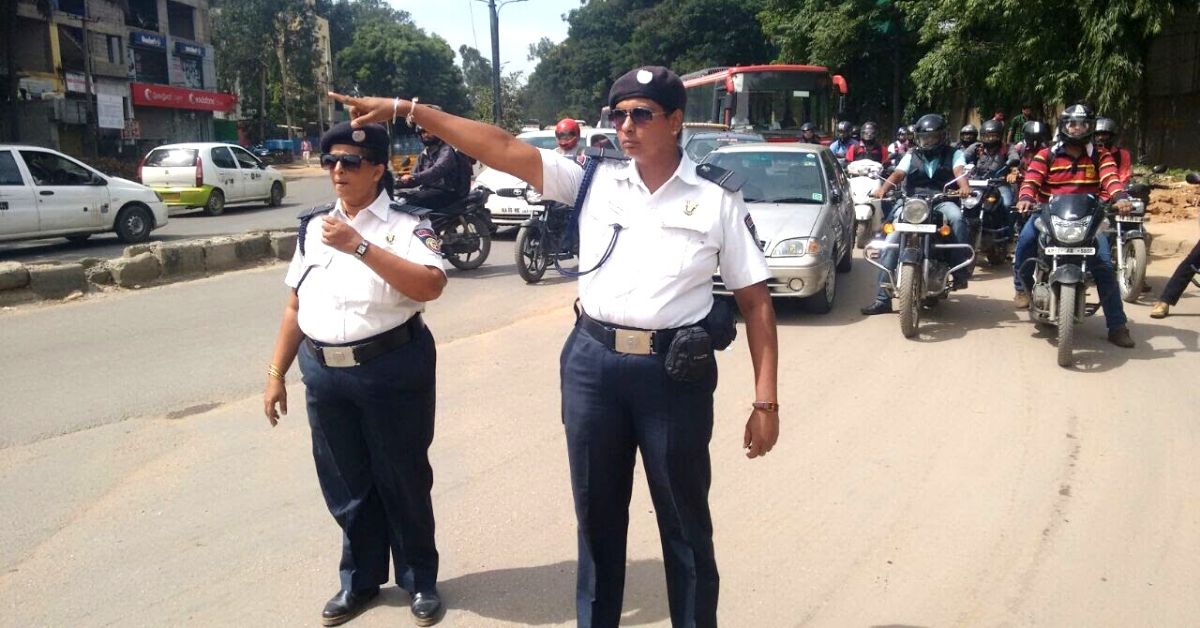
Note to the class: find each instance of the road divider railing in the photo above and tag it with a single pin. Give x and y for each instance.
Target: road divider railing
(142, 266)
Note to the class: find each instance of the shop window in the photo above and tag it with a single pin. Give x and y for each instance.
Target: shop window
(193, 72)
(32, 50)
(114, 48)
(142, 14)
(181, 20)
(149, 66)
(70, 46)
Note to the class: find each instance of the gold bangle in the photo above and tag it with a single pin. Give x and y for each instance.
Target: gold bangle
(766, 406)
(272, 371)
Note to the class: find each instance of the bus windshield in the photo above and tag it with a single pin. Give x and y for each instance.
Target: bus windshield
(775, 101)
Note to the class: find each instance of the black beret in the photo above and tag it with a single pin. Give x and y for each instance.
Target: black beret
(654, 82)
(373, 137)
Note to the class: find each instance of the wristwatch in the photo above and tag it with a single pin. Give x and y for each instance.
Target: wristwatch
(767, 406)
(361, 249)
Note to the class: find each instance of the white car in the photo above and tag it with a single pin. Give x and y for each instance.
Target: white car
(210, 175)
(511, 212)
(45, 193)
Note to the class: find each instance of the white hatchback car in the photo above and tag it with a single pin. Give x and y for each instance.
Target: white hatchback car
(44, 193)
(210, 175)
(511, 212)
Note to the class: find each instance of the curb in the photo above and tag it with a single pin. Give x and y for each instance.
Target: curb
(142, 266)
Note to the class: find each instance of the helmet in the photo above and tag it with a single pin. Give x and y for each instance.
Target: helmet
(901, 131)
(1076, 124)
(968, 133)
(1035, 131)
(1108, 128)
(844, 128)
(855, 132)
(808, 126)
(567, 133)
(930, 132)
(870, 132)
(991, 133)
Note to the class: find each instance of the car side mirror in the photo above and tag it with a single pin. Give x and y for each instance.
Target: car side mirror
(835, 195)
(1159, 169)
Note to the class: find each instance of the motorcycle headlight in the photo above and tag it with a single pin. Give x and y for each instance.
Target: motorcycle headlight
(532, 196)
(916, 211)
(797, 247)
(971, 201)
(1070, 231)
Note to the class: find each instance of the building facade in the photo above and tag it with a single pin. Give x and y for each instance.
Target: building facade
(113, 78)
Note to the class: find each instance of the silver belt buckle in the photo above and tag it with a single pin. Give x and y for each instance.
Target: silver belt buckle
(339, 357)
(633, 341)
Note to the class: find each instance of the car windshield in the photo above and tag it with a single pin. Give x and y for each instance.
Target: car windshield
(171, 158)
(541, 141)
(776, 176)
(407, 145)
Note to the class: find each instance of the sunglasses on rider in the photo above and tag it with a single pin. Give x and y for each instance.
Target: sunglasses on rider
(640, 115)
(349, 162)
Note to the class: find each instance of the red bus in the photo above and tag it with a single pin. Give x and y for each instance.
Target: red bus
(772, 100)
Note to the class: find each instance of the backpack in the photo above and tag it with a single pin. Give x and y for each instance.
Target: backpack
(464, 171)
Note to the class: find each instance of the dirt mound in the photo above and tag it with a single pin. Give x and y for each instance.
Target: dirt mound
(1178, 201)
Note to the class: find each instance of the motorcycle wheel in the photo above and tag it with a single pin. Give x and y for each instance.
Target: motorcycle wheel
(1133, 276)
(530, 257)
(908, 287)
(475, 231)
(862, 234)
(997, 255)
(1066, 324)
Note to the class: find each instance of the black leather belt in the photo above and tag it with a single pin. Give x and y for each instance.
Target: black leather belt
(345, 356)
(626, 340)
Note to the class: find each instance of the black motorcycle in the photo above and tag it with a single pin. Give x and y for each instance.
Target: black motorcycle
(923, 274)
(1067, 228)
(989, 219)
(465, 228)
(541, 240)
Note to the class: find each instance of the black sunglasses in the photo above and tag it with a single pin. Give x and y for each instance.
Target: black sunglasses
(640, 115)
(563, 136)
(349, 162)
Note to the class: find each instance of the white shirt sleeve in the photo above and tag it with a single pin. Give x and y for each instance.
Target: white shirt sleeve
(295, 269)
(742, 262)
(418, 247)
(561, 177)
(959, 159)
(906, 164)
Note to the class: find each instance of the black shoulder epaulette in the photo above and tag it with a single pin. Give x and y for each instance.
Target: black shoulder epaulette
(409, 208)
(727, 179)
(316, 211)
(598, 152)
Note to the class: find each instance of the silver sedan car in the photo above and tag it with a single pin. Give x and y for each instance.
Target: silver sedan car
(801, 205)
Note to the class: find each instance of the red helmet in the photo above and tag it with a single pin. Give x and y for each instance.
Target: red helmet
(567, 133)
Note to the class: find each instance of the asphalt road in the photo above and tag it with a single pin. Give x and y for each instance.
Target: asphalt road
(957, 479)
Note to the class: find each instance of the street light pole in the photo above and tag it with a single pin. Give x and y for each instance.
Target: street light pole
(494, 12)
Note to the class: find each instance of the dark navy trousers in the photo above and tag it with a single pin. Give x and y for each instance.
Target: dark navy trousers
(372, 425)
(614, 405)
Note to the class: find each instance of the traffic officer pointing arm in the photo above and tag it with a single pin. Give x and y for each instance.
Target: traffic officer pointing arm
(638, 372)
(363, 269)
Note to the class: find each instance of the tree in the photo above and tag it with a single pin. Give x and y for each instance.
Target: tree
(346, 16)
(511, 105)
(688, 35)
(477, 70)
(399, 58)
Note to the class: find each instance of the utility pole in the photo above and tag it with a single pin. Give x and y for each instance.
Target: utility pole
(494, 11)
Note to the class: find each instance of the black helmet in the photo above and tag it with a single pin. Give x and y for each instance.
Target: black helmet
(870, 131)
(1076, 124)
(968, 133)
(1035, 131)
(1107, 127)
(844, 128)
(854, 132)
(930, 132)
(808, 126)
(991, 133)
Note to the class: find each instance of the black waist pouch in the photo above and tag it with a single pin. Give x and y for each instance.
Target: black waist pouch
(690, 355)
(721, 323)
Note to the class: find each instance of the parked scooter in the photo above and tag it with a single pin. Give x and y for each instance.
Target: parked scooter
(541, 240)
(989, 219)
(865, 177)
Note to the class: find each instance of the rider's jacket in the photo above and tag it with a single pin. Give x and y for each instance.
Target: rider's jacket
(874, 152)
(1124, 163)
(919, 181)
(435, 169)
(1054, 171)
(987, 163)
(840, 148)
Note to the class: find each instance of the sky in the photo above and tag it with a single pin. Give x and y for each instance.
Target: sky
(466, 22)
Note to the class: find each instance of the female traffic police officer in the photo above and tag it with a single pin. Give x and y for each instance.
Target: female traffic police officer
(363, 269)
(653, 229)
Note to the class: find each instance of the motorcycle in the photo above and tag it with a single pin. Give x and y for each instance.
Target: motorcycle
(989, 219)
(465, 228)
(865, 178)
(1067, 227)
(923, 274)
(1129, 242)
(541, 239)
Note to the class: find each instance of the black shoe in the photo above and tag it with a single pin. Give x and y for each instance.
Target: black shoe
(427, 608)
(1120, 337)
(344, 606)
(878, 307)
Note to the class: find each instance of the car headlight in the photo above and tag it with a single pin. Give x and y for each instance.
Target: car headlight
(916, 211)
(532, 196)
(1070, 231)
(797, 247)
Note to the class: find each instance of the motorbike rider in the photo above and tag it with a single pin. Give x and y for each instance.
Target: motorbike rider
(566, 133)
(903, 139)
(869, 147)
(808, 134)
(1016, 128)
(1074, 165)
(1106, 138)
(1035, 136)
(967, 136)
(843, 142)
(928, 167)
(856, 133)
(990, 155)
(434, 180)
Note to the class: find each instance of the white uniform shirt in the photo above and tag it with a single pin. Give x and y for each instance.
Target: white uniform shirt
(659, 275)
(342, 300)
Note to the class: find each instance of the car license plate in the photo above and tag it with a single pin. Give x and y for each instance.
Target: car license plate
(511, 210)
(1070, 250)
(169, 196)
(1131, 219)
(904, 226)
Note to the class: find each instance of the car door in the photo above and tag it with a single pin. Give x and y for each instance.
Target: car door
(841, 203)
(18, 207)
(69, 195)
(254, 175)
(228, 176)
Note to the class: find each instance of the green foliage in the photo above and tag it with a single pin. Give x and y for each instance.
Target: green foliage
(476, 69)
(387, 57)
(512, 110)
(346, 16)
